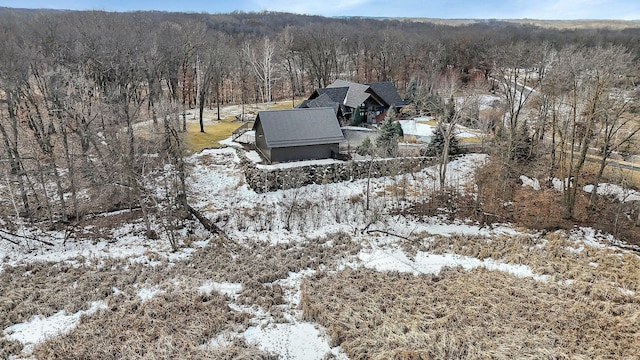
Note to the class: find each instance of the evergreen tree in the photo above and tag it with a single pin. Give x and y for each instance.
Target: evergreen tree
(436, 146)
(365, 148)
(521, 151)
(356, 120)
(388, 134)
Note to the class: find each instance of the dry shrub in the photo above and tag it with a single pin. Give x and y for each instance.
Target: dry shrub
(9, 347)
(552, 254)
(496, 183)
(474, 314)
(452, 203)
(544, 209)
(502, 197)
(172, 325)
(239, 350)
(46, 288)
(265, 263)
(256, 293)
(539, 209)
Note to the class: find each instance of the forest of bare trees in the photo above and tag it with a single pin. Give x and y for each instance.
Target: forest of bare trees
(73, 85)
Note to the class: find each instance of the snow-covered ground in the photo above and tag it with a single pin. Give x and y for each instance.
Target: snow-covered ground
(616, 191)
(39, 329)
(604, 189)
(422, 128)
(218, 189)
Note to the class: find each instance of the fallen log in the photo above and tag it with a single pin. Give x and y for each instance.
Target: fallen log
(208, 224)
(4, 233)
(387, 233)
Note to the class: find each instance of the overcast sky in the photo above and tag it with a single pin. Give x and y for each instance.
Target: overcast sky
(447, 9)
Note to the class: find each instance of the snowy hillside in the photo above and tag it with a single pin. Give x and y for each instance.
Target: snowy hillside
(293, 278)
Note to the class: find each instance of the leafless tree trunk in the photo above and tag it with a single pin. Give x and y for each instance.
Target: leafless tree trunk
(263, 67)
(514, 70)
(587, 78)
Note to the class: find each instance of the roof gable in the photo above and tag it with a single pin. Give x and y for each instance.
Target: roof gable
(337, 94)
(356, 94)
(299, 127)
(323, 101)
(387, 92)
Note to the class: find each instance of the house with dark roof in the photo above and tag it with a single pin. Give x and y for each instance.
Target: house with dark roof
(297, 134)
(387, 96)
(372, 100)
(324, 100)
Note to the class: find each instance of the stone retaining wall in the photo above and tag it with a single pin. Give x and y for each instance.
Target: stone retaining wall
(264, 180)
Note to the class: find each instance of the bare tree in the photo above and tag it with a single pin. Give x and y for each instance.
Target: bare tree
(292, 63)
(262, 61)
(449, 104)
(515, 72)
(211, 68)
(320, 45)
(13, 78)
(617, 126)
(588, 103)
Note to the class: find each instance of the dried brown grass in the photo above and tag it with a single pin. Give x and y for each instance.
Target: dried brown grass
(257, 262)
(9, 347)
(474, 314)
(554, 255)
(170, 325)
(588, 308)
(175, 322)
(46, 288)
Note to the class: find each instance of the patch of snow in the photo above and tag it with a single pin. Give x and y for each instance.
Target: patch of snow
(117, 212)
(527, 181)
(146, 294)
(423, 130)
(574, 250)
(558, 184)
(222, 340)
(258, 313)
(225, 288)
(300, 341)
(589, 237)
(627, 291)
(248, 137)
(427, 263)
(416, 127)
(254, 156)
(487, 101)
(459, 228)
(464, 133)
(622, 194)
(291, 286)
(39, 328)
(357, 128)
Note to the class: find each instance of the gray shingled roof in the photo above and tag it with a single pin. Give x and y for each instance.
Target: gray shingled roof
(337, 94)
(299, 127)
(388, 93)
(356, 95)
(324, 101)
(321, 101)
